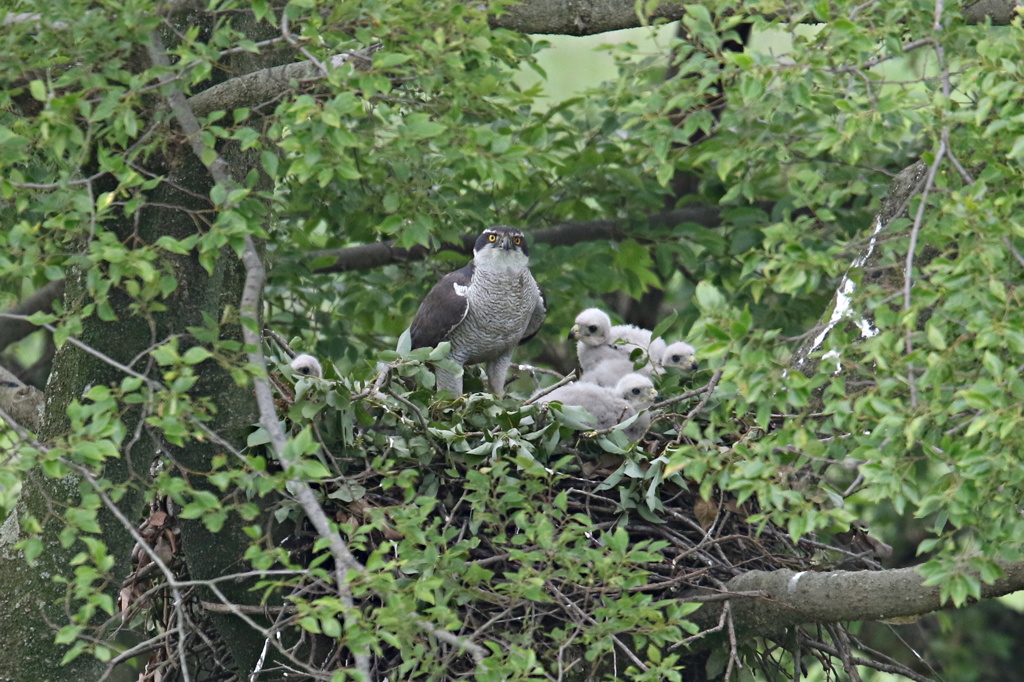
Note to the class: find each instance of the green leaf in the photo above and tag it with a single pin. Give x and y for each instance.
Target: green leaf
(404, 343)
(195, 355)
(38, 90)
(32, 548)
(331, 627)
(935, 337)
(68, 634)
(390, 59)
(258, 437)
(664, 325)
(420, 127)
(709, 298)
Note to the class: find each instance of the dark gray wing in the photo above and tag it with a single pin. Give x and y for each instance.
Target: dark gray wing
(540, 311)
(443, 308)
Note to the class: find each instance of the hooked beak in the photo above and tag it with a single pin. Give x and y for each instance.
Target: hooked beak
(574, 333)
(693, 365)
(506, 243)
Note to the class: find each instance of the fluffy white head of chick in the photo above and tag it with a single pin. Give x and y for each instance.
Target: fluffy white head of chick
(307, 365)
(637, 390)
(592, 327)
(679, 354)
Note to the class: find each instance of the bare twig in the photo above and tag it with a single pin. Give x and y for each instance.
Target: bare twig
(383, 373)
(475, 650)
(724, 596)
(1013, 250)
(870, 663)
(281, 342)
(252, 293)
(964, 174)
(682, 396)
(908, 267)
(533, 369)
(707, 391)
(261, 610)
(862, 66)
(100, 355)
(734, 654)
(567, 379)
(287, 35)
(842, 643)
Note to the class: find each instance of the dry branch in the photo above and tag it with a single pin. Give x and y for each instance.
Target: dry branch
(370, 256)
(252, 293)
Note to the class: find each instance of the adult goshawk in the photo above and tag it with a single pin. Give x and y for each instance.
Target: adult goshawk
(484, 309)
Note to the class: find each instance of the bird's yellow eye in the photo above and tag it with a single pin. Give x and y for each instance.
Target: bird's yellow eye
(519, 241)
(491, 237)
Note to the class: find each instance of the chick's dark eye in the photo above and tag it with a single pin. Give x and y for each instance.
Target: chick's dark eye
(636, 391)
(592, 328)
(675, 358)
(491, 237)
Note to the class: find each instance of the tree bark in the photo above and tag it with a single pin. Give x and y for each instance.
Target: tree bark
(23, 404)
(587, 17)
(31, 593)
(31, 590)
(266, 85)
(904, 187)
(788, 598)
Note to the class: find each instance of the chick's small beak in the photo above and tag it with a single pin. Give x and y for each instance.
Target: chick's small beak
(574, 333)
(693, 365)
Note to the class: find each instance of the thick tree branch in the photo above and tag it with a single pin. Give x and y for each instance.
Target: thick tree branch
(23, 403)
(1001, 12)
(791, 598)
(580, 18)
(259, 87)
(370, 256)
(904, 187)
(587, 17)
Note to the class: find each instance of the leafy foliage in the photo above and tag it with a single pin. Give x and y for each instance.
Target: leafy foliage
(470, 516)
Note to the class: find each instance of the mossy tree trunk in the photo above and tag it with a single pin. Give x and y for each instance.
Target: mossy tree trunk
(40, 598)
(37, 594)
